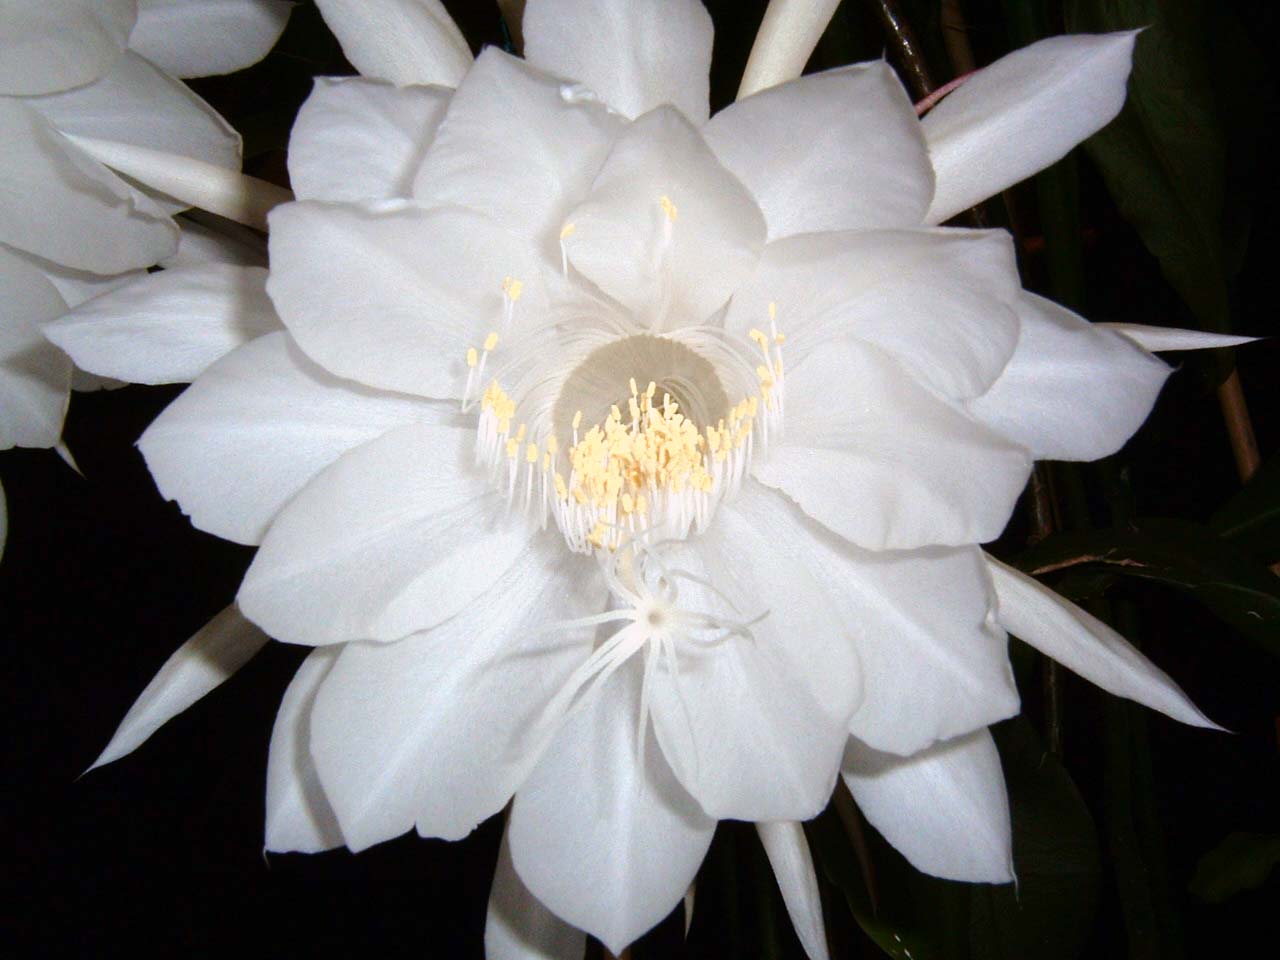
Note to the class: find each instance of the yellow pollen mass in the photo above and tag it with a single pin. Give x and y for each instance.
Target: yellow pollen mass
(491, 341)
(567, 230)
(531, 453)
(668, 208)
(512, 288)
(472, 357)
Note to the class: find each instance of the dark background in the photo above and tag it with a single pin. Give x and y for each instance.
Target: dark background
(161, 852)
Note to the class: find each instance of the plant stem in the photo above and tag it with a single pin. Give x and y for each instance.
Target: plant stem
(907, 49)
(1235, 413)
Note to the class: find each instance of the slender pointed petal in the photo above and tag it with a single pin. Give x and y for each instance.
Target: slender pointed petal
(788, 35)
(1157, 339)
(168, 326)
(945, 809)
(207, 38)
(635, 54)
(299, 817)
(49, 45)
(212, 655)
(518, 927)
(1087, 646)
(34, 375)
(788, 853)
(1020, 114)
(401, 41)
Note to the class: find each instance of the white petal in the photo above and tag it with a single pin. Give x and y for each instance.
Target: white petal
(402, 41)
(604, 836)
(168, 326)
(518, 927)
(395, 299)
(357, 139)
(754, 725)
(48, 45)
(1157, 339)
(395, 537)
(636, 54)
(77, 286)
(60, 204)
(788, 853)
(1072, 390)
(516, 147)
(34, 375)
(299, 818)
(139, 104)
(439, 729)
(256, 428)
(1020, 114)
(666, 229)
(1085, 645)
(788, 36)
(207, 37)
(863, 163)
(889, 288)
(216, 240)
(215, 652)
(873, 456)
(945, 809)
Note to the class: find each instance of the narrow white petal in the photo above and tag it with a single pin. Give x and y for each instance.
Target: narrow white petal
(255, 428)
(1072, 389)
(635, 54)
(1020, 114)
(788, 853)
(401, 41)
(397, 536)
(1157, 339)
(216, 651)
(857, 127)
(299, 817)
(168, 326)
(34, 375)
(1085, 645)
(602, 834)
(945, 809)
(77, 286)
(788, 35)
(209, 37)
(518, 927)
(61, 205)
(361, 140)
(49, 45)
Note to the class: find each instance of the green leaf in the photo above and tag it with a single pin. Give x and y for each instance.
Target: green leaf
(1251, 519)
(1189, 557)
(1242, 861)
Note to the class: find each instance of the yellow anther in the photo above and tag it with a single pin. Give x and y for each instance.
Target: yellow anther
(596, 536)
(491, 340)
(650, 390)
(615, 413)
(773, 310)
(521, 431)
(546, 462)
(668, 207)
(553, 444)
(472, 357)
(562, 490)
(780, 339)
(577, 420)
(759, 337)
(567, 230)
(512, 447)
(531, 453)
(512, 288)
(766, 377)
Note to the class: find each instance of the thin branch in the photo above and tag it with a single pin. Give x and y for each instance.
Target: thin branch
(1235, 413)
(906, 48)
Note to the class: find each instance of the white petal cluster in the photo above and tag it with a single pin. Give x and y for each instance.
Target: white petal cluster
(480, 254)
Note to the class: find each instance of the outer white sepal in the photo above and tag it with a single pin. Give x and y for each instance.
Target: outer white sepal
(1157, 339)
(792, 863)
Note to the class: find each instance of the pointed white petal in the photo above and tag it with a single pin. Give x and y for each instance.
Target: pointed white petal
(34, 375)
(362, 140)
(635, 54)
(438, 729)
(754, 725)
(666, 230)
(137, 103)
(395, 537)
(605, 836)
(518, 927)
(395, 299)
(401, 41)
(60, 204)
(1072, 390)
(945, 809)
(299, 817)
(215, 652)
(1085, 645)
(527, 169)
(1157, 339)
(1019, 115)
(48, 45)
(788, 36)
(857, 127)
(209, 37)
(77, 286)
(255, 428)
(788, 853)
(168, 326)
(888, 288)
(873, 456)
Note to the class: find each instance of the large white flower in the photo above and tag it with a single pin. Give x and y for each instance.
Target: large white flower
(71, 229)
(631, 463)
